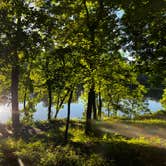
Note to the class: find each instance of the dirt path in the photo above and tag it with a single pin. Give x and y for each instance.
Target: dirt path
(155, 134)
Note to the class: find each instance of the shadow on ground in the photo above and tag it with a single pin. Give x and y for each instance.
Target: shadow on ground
(116, 152)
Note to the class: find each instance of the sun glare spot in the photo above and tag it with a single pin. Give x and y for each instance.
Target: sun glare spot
(5, 113)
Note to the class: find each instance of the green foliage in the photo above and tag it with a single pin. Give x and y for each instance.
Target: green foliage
(1, 155)
(144, 23)
(57, 47)
(39, 153)
(61, 46)
(105, 149)
(154, 122)
(163, 100)
(160, 115)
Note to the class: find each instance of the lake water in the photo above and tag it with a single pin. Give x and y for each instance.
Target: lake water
(76, 110)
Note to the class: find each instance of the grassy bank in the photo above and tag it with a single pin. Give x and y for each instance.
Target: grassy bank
(43, 144)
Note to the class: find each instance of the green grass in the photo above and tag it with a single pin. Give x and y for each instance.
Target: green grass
(161, 114)
(46, 146)
(158, 122)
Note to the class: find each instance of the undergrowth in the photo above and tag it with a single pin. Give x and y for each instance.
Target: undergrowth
(81, 150)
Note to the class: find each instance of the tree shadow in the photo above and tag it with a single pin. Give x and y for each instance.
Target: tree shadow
(122, 153)
(112, 149)
(45, 132)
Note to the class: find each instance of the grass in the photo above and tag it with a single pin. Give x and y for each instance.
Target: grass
(161, 114)
(42, 145)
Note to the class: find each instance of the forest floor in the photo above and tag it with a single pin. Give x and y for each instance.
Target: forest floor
(113, 143)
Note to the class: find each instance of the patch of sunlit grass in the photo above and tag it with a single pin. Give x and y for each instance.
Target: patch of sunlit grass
(44, 154)
(84, 150)
(139, 140)
(142, 121)
(149, 121)
(143, 132)
(79, 136)
(115, 137)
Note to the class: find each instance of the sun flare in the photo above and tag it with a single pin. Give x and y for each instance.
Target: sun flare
(5, 113)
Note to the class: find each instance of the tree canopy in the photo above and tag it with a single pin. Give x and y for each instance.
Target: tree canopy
(56, 50)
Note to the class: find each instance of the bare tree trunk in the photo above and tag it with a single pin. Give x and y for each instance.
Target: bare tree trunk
(24, 105)
(56, 113)
(49, 99)
(108, 109)
(14, 93)
(100, 105)
(60, 105)
(68, 116)
(94, 105)
(89, 112)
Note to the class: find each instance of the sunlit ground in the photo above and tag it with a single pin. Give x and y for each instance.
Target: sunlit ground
(153, 134)
(141, 141)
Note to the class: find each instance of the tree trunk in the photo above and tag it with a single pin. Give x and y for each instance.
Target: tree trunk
(60, 105)
(115, 112)
(89, 112)
(100, 106)
(108, 109)
(24, 105)
(94, 105)
(14, 93)
(68, 116)
(56, 113)
(49, 99)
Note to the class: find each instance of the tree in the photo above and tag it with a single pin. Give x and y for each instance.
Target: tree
(19, 39)
(163, 100)
(144, 23)
(119, 85)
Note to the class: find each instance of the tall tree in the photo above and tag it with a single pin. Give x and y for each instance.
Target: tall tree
(19, 38)
(144, 24)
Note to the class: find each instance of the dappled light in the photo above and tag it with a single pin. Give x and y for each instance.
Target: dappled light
(154, 134)
(82, 83)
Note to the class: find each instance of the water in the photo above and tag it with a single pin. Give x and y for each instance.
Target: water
(154, 105)
(76, 110)
(41, 113)
(5, 113)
